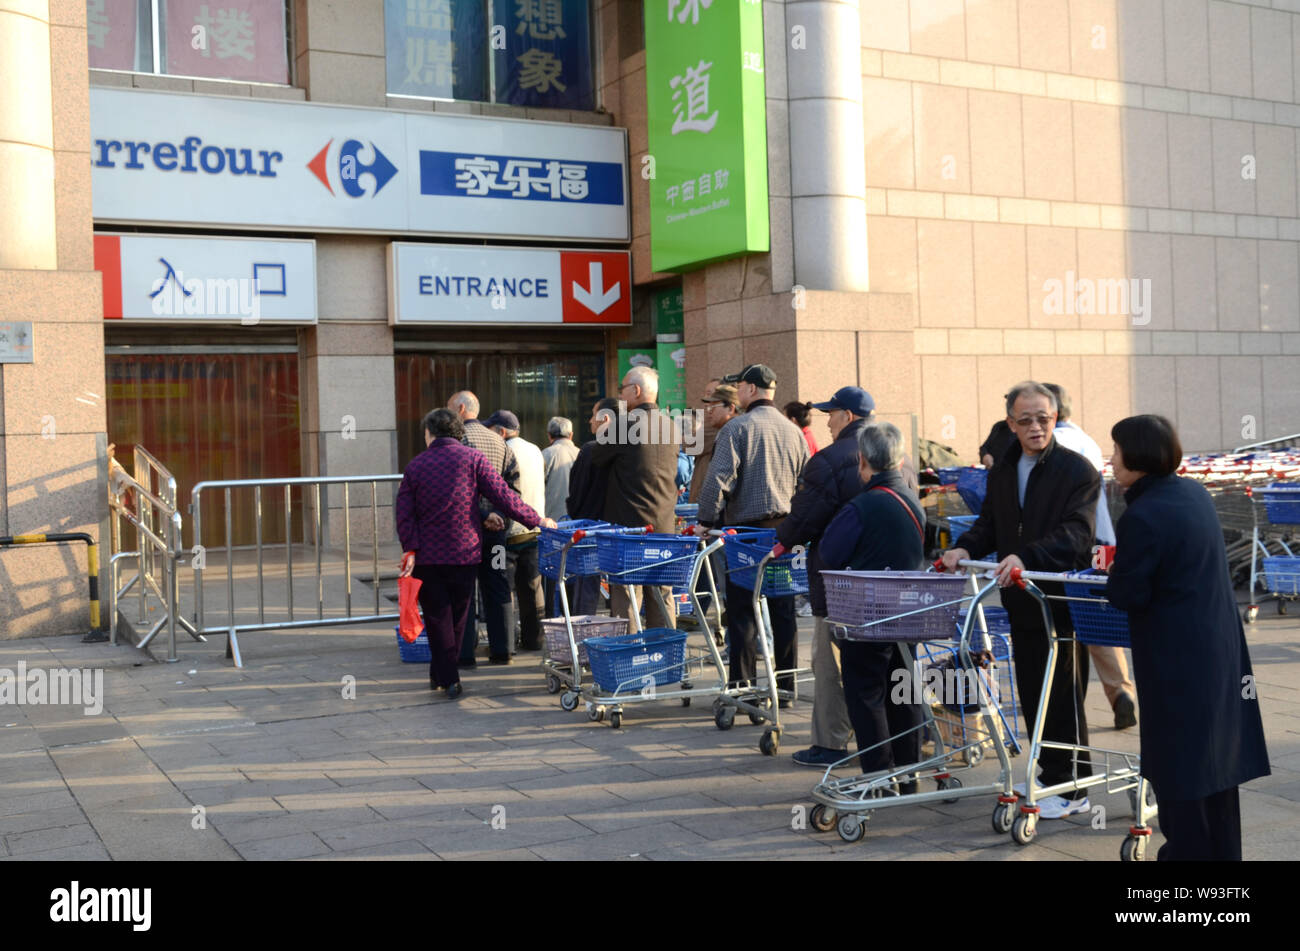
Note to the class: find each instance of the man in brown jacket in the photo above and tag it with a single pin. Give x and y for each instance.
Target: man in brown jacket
(639, 452)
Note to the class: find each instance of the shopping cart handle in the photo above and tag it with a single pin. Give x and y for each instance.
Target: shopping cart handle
(578, 536)
(938, 565)
(1016, 580)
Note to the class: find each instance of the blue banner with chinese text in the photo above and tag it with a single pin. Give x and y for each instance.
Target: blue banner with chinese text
(546, 61)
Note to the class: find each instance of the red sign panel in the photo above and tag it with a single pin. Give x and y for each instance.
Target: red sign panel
(596, 287)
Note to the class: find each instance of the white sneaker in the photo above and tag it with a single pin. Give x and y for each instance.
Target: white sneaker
(1019, 788)
(1058, 807)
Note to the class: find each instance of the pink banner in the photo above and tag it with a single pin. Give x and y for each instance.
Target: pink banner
(227, 39)
(111, 32)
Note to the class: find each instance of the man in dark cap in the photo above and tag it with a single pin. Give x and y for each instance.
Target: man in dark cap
(829, 481)
(521, 543)
(757, 459)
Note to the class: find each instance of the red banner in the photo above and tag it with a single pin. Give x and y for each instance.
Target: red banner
(111, 29)
(227, 39)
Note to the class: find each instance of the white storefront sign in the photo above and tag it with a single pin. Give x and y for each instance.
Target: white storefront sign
(454, 284)
(183, 279)
(177, 158)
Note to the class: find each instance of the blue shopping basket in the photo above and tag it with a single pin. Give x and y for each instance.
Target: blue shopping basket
(627, 664)
(1282, 502)
(1282, 574)
(417, 652)
(1096, 622)
(581, 560)
(972, 484)
(781, 578)
(647, 559)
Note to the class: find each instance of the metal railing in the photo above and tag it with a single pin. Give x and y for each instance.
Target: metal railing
(1293, 439)
(158, 551)
(232, 627)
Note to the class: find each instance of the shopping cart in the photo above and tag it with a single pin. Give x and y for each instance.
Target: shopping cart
(752, 566)
(914, 607)
(630, 669)
(1275, 511)
(1095, 622)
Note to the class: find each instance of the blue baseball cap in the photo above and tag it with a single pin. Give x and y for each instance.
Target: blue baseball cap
(503, 418)
(852, 398)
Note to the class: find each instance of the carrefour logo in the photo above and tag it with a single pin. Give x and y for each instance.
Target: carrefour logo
(350, 167)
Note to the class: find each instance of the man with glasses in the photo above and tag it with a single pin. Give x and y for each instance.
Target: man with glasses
(639, 452)
(1040, 514)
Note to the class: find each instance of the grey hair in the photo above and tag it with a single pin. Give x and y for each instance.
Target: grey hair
(646, 378)
(881, 445)
(1063, 406)
(558, 426)
(468, 400)
(1029, 388)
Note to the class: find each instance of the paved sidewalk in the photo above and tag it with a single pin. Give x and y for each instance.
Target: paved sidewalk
(197, 760)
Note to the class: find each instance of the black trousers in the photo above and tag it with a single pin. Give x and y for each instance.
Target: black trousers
(1065, 721)
(742, 632)
(1201, 830)
(496, 602)
(445, 592)
(528, 592)
(867, 670)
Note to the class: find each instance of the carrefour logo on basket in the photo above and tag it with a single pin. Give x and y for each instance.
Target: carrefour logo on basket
(472, 175)
(350, 167)
(652, 554)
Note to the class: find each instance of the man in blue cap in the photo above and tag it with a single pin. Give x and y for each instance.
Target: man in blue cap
(829, 481)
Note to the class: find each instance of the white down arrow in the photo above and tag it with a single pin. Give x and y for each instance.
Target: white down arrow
(596, 300)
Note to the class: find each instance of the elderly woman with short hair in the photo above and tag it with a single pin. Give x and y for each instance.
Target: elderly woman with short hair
(1202, 735)
(441, 530)
(883, 527)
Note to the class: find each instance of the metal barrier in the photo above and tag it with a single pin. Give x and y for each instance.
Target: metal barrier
(158, 552)
(1293, 439)
(92, 566)
(231, 628)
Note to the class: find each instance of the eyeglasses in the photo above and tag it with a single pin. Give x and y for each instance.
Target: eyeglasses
(1026, 422)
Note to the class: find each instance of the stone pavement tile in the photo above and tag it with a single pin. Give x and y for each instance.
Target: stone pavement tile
(203, 777)
(579, 802)
(237, 830)
(110, 772)
(148, 827)
(620, 775)
(643, 840)
(410, 851)
(1284, 783)
(350, 837)
(679, 809)
(392, 793)
(455, 839)
(36, 802)
(469, 777)
(301, 845)
(43, 840)
(90, 852)
(510, 855)
(311, 774)
(237, 807)
(318, 820)
(262, 756)
(739, 790)
(44, 819)
(19, 737)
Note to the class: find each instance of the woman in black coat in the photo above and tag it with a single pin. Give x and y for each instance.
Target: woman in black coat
(1202, 735)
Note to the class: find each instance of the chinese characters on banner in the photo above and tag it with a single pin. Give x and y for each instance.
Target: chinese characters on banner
(226, 39)
(436, 48)
(111, 30)
(547, 57)
(708, 130)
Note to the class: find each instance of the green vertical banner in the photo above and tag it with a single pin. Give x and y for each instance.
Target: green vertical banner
(708, 131)
(666, 308)
(671, 364)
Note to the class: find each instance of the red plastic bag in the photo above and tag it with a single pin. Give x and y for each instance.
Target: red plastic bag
(408, 603)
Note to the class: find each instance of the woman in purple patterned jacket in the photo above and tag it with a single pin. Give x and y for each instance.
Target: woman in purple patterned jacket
(441, 531)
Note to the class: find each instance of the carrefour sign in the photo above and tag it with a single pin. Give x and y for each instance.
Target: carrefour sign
(178, 158)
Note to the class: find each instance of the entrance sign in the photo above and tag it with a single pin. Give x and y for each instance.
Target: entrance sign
(455, 284)
(183, 279)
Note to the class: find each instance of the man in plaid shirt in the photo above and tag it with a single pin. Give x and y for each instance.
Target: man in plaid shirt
(752, 477)
(492, 580)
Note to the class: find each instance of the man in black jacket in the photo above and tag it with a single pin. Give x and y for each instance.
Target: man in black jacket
(828, 481)
(638, 450)
(1040, 514)
(587, 487)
